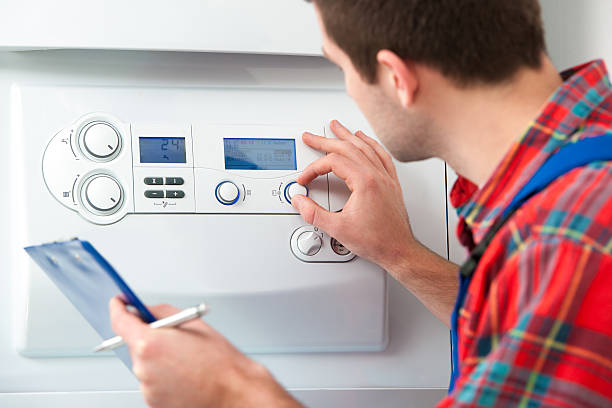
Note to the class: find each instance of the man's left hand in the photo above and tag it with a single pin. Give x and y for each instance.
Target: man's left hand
(194, 365)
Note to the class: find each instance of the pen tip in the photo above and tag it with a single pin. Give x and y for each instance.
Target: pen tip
(202, 308)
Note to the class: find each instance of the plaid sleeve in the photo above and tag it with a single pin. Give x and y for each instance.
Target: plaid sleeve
(552, 338)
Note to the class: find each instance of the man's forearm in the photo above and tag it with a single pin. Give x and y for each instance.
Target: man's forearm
(430, 277)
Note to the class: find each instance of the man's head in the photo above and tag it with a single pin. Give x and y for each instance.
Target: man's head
(384, 47)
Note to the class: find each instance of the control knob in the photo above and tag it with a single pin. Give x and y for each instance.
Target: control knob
(227, 193)
(309, 243)
(100, 140)
(103, 193)
(292, 189)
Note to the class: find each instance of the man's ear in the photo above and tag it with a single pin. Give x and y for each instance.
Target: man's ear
(398, 77)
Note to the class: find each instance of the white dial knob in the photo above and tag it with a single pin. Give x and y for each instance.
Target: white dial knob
(103, 193)
(101, 140)
(309, 243)
(227, 193)
(292, 189)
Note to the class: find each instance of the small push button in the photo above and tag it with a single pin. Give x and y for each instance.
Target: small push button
(175, 194)
(153, 181)
(174, 181)
(338, 248)
(154, 194)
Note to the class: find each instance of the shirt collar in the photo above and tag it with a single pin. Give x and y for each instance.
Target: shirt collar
(584, 89)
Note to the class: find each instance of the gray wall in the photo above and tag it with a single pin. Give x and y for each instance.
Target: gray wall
(578, 30)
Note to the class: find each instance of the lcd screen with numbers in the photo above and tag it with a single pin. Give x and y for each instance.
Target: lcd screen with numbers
(162, 150)
(260, 154)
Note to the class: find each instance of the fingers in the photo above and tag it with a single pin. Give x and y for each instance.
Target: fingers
(366, 148)
(124, 323)
(382, 156)
(330, 145)
(314, 214)
(342, 167)
(351, 146)
(385, 157)
(164, 310)
(351, 149)
(340, 131)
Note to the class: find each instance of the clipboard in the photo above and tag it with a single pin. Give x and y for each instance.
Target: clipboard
(89, 282)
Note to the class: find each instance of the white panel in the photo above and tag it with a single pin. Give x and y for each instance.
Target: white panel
(247, 26)
(417, 355)
(241, 265)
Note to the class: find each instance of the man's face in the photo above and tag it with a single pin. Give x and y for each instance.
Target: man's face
(405, 132)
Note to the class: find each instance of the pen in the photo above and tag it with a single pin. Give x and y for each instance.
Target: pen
(170, 321)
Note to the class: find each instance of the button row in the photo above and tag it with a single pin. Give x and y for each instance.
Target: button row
(309, 243)
(168, 194)
(170, 181)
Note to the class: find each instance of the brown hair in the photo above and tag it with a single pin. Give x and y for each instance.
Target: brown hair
(469, 41)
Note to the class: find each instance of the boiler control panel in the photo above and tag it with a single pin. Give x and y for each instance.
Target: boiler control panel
(105, 169)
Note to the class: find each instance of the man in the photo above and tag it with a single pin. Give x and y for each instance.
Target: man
(469, 82)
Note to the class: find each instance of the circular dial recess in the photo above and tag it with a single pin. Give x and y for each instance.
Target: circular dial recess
(292, 189)
(103, 193)
(101, 140)
(227, 193)
(309, 243)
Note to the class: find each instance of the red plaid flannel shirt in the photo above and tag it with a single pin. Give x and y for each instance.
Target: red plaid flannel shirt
(536, 326)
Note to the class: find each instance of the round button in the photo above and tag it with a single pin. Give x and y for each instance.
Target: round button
(292, 189)
(227, 193)
(101, 140)
(338, 248)
(103, 193)
(309, 243)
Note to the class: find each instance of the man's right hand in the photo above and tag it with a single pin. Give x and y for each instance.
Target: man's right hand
(374, 223)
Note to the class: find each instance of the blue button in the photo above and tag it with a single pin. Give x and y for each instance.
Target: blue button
(227, 193)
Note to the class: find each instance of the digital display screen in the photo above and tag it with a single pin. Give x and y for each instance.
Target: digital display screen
(260, 154)
(162, 150)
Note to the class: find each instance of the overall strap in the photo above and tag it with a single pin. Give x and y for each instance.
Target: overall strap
(570, 157)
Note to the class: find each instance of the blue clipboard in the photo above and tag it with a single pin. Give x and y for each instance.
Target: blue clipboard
(89, 282)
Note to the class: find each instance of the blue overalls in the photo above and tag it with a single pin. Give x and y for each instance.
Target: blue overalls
(570, 157)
